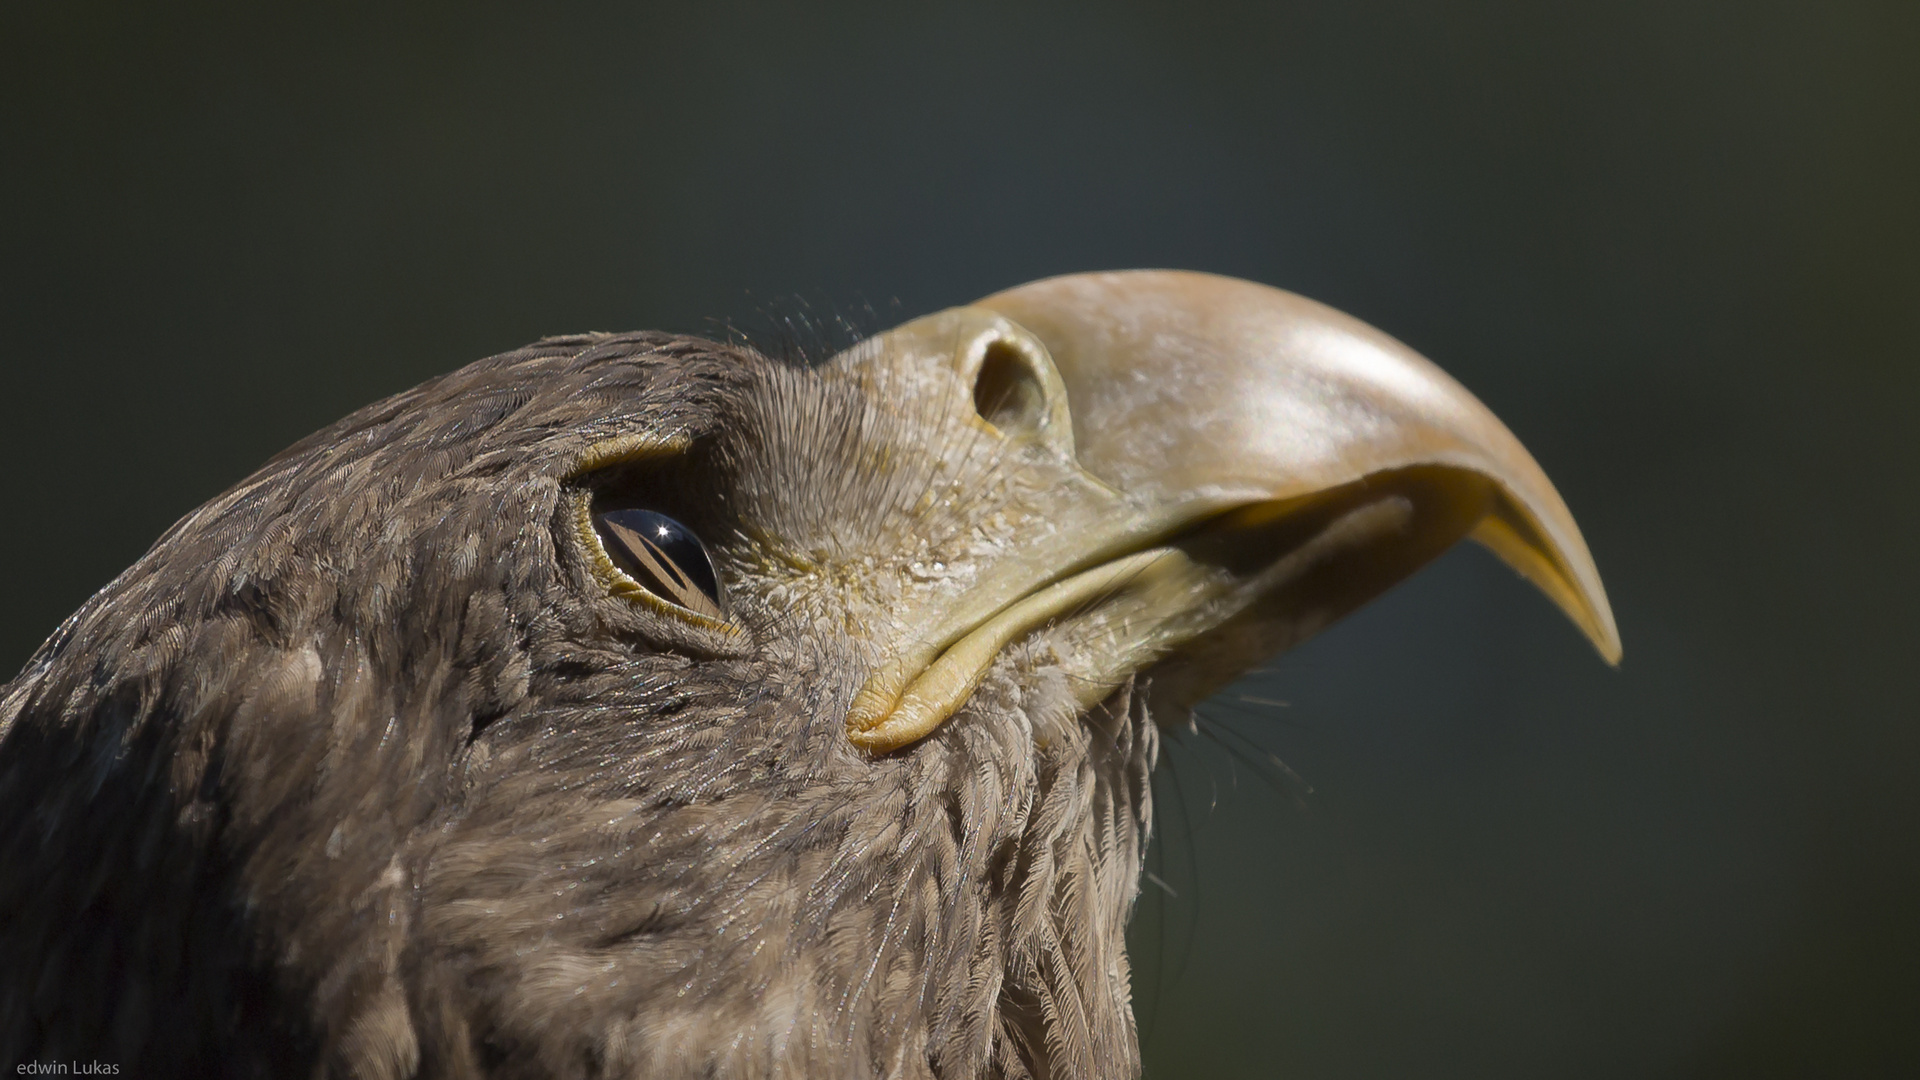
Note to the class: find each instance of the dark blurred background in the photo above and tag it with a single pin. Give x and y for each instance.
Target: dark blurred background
(1676, 245)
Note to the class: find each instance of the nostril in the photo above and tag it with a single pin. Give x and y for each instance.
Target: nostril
(1007, 393)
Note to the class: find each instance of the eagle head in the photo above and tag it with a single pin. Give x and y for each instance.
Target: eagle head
(637, 705)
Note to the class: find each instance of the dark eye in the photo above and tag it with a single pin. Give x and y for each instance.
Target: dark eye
(664, 557)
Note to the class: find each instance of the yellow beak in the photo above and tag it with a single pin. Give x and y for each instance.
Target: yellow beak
(1252, 466)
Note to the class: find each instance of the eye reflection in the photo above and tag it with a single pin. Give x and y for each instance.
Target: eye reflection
(664, 556)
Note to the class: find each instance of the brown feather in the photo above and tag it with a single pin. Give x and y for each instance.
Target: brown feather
(362, 771)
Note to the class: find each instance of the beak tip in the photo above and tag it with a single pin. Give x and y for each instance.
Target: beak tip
(1610, 647)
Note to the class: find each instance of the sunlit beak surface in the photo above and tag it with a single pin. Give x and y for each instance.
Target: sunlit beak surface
(1255, 465)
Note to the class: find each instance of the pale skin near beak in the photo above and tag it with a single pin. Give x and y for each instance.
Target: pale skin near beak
(1251, 465)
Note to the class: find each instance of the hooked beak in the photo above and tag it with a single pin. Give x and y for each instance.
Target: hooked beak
(1251, 466)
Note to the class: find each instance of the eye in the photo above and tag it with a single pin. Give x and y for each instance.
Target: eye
(664, 557)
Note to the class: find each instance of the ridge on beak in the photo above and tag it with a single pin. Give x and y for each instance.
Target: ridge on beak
(1251, 466)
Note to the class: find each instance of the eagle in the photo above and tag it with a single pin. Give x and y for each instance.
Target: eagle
(638, 705)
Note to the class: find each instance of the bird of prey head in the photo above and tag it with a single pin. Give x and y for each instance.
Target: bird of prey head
(635, 705)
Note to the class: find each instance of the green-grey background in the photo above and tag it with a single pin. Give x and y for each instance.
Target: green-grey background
(1673, 244)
